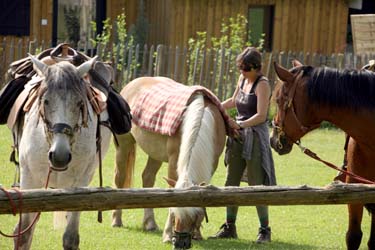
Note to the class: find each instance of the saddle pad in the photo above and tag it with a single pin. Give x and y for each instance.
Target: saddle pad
(160, 108)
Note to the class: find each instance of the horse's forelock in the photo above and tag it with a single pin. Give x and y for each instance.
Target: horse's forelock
(61, 77)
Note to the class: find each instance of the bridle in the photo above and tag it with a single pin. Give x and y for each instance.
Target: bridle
(61, 128)
(288, 108)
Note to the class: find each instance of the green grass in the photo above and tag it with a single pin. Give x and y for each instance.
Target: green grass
(293, 227)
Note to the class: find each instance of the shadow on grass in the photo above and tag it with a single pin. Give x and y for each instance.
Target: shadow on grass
(244, 244)
(239, 244)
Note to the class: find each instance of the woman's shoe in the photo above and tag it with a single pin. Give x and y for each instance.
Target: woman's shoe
(264, 235)
(227, 231)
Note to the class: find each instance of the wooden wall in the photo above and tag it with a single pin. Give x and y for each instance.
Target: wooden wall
(299, 25)
(311, 25)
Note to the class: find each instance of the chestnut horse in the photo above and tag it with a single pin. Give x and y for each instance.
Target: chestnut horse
(307, 97)
(192, 154)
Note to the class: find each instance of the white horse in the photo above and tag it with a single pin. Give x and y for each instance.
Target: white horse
(59, 133)
(192, 153)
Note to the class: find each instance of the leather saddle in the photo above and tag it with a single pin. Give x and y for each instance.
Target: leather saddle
(20, 93)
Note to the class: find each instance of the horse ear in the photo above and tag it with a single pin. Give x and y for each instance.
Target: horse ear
(296, 63)
(171, 182)
(283, 73)
(86, 66)
(38, 65)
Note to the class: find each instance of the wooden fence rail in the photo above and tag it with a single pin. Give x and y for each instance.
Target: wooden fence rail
(88, 199)
(214, 69)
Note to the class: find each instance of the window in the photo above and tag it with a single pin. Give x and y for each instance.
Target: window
(72, 21)
(15, 17)
(260, 22)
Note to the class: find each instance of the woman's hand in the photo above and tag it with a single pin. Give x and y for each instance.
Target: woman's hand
(236, 128)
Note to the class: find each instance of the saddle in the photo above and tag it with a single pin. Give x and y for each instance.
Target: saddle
(20, 92)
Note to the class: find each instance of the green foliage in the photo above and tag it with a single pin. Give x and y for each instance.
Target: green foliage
(113, 44)
(231, 41)
(232, 112)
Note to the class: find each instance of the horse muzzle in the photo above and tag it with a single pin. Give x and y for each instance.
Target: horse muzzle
(181, 241)
(280, 143)
(60, 154)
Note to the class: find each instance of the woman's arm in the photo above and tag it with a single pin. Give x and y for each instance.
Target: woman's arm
(231, 102)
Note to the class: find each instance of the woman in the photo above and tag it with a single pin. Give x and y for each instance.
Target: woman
(250, 149)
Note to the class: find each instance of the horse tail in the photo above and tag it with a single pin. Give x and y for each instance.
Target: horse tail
(129, 171)
(196, 158)
(125, 160)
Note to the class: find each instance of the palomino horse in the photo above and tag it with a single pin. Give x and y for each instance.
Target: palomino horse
(192, 153)
(309, 96)
(57, 141)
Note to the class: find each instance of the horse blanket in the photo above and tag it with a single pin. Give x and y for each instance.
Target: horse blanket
(160, 108)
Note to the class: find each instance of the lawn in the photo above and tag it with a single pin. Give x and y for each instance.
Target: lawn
(293, 227)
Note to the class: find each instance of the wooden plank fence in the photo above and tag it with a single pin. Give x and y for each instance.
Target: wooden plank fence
(214, 69)
(89, 199)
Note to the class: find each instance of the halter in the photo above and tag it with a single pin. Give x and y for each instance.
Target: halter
(288, 105)
(61, 128)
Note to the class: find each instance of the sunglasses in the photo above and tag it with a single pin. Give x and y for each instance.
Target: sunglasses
(246, 68)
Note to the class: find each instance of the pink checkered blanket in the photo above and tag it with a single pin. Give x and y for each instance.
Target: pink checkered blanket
(160, 108)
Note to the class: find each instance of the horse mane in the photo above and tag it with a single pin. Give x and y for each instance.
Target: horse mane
(63, 77)
(353, 89)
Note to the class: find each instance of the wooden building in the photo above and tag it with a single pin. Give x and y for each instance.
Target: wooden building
(289, 25)
(297, 25)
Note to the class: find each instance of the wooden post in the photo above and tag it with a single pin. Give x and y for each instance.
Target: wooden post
(150, 61)
(176, 64)
(90, 199)
(159, 60)
(221, 74)
(135, 62)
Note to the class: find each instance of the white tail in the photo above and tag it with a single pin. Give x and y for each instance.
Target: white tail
(196, 158)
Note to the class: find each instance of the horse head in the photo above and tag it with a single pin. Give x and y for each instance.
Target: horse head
(294, 117)
(62, 107)
(187, 222)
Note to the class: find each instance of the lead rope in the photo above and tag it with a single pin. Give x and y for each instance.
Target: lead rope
(14, 211)
(99, 150)
(316, 157)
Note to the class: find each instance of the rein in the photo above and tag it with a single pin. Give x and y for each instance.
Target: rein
(14, 210)
(313, 155)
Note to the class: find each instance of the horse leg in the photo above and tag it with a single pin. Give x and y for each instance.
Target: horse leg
(172, 174)
(371, 241)
(148, 180)
(24, 242)
(124, 166)
(354, 233)
(167, 233)
(71, 234)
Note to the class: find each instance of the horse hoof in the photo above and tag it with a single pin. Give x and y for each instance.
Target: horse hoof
(150, 226)
(117, 224)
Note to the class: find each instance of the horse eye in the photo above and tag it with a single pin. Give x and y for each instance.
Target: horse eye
(46, 102)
